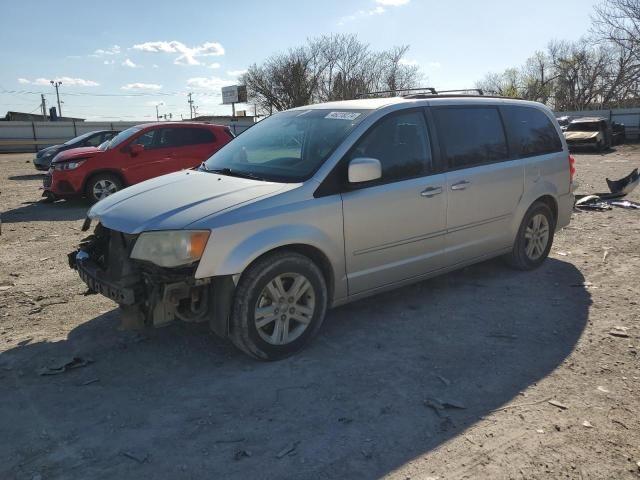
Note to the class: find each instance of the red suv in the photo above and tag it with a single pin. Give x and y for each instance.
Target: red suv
(134, 155)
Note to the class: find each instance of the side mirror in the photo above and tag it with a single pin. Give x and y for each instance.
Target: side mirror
(364, 169)
(136, 149)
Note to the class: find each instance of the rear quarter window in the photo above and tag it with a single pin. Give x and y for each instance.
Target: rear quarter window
(531, 132)
(470, 136)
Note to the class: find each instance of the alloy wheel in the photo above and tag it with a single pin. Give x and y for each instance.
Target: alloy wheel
(536, 236)
(284, 308)
(104, 188)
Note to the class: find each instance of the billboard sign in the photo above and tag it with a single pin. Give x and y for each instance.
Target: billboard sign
(234, 94)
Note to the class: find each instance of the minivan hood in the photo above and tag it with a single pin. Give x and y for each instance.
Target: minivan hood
(73, 153)
(577, 135)
(176, 200)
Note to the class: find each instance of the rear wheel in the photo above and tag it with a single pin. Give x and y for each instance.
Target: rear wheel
(534, 239)
(102, 185)
(278, 307)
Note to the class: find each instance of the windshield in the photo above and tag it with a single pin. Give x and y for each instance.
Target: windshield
(120, 138)
(79, 138)
(286, 147)
(584, 127)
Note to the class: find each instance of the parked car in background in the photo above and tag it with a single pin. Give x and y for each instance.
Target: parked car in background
(564, 122)
(619, 133)
(589, 132)
(42, 160)
(325, 204)
(134, 155)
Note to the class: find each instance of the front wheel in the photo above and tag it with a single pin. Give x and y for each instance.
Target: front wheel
(101, 186)
(534, 238)
(279, 305)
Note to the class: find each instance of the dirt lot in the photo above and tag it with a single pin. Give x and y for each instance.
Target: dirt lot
(488, 345)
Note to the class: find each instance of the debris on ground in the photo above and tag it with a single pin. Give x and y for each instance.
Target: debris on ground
(140, 457)
(441, 405)
(289, 450)
(65, 365)
(240, 454)
(619, 332)
(587, 424)
(606, 201)
(558, 404)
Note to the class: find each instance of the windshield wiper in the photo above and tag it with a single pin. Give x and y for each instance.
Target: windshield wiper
(233, 173)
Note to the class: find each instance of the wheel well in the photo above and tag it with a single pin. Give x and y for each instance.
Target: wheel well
(110, 172)
(315, 255)
(551, 203)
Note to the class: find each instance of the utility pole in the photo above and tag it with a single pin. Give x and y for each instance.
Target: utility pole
(43, 105)
(190, 102)
(57, 84)
(157, 114)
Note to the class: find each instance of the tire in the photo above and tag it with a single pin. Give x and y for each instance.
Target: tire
(106, 183)
(254, 331)
(524, 256)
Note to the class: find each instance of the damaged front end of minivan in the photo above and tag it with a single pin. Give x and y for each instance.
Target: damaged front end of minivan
(151, 276)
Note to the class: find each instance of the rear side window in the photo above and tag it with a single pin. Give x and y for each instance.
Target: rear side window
(531, 132)
(401, 143)
(201, 135)
(470, 136)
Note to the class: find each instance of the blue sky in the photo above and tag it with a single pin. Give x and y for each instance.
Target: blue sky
(103, 51)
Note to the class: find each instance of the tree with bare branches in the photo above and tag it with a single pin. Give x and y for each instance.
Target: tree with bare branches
(328, 68)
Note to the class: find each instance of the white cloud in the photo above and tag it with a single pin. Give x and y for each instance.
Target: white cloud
(129, 63)
(109, 62)
(379, 9)
(434, 64)
(66, 81)
(214, 65)
(141, 86)
(236, 73)
(392, 3)
(212, 83)
(114, 50)
(155, 65)
(361, 14)
(187, 55)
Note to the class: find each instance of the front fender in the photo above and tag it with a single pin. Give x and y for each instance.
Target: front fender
(264, 241)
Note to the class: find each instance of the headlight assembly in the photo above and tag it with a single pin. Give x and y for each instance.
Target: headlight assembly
(172, 248)
(64, 166)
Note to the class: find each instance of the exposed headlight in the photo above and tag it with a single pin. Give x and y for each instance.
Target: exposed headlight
(171, 248)
(67, 165)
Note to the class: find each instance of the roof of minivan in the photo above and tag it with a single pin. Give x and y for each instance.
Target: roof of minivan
(376, 103)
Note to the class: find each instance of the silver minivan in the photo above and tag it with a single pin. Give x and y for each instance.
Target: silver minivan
(322, 205)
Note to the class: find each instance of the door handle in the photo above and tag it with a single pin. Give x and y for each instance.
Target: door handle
(431, 192)
(462, 185)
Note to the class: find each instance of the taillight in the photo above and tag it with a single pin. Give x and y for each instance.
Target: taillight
(572, 169)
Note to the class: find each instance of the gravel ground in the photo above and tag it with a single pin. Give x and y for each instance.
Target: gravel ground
(483, 373)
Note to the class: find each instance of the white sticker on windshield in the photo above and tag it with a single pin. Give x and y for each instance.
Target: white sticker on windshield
(343, 115)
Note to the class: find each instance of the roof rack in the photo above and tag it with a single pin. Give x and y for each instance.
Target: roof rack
(397, 93)
(422, 92)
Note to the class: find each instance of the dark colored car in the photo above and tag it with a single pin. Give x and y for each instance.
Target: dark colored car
(134, 155)
(43, 158)
(619, 133)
